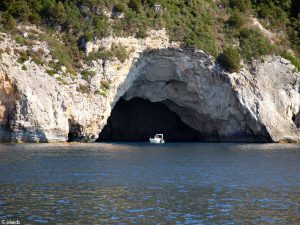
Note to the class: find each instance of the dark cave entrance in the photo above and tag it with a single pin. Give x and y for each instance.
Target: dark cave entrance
(75, 131)
(138, 119)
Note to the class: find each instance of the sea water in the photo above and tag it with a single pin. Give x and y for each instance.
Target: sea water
(142, 183)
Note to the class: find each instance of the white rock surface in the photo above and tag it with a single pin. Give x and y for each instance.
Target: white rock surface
(258, 104)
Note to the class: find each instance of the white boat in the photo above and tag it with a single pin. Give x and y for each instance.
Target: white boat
(158, 139)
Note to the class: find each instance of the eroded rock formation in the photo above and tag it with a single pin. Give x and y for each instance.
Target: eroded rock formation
(260, 103)
(8, 95)
(248, 106)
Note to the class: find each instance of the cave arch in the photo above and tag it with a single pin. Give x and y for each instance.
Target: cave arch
(137, 119)
(199, 95)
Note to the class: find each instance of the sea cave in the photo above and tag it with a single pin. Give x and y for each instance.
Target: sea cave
(138, 119)
(161, 96)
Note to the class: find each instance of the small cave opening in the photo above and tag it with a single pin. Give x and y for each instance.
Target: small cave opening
(138, 119)
(296, 120)
(74, 132)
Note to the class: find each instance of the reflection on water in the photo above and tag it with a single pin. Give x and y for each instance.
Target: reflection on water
(149, 184)
(90, 203)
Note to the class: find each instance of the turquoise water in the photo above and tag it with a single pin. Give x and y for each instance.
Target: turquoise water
(140, 183)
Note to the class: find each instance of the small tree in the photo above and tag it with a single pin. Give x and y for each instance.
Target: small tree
(120, 7)
(242, 5)
(135, 5)
(230, 59)
(59, 13)
(20, 10)
(236, 20)
(120, 52)
(10, 21)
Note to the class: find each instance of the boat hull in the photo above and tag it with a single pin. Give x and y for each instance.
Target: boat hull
(155, 141)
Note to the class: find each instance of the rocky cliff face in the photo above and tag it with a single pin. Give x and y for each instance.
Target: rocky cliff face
(260, 103)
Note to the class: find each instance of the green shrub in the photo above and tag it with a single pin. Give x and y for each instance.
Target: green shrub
(104, 85)
(86, 74)
(135, 5)
(254, 45)
(59, 13)
(20, 40)
(236, 20)
(295, 61)
(56, 66)
(83, 88)
(88, 36)
(10, 22)
(103, 93)
(24, 67)
(120, 7)
(23, 57)
(204, 41)
(51, 72)
(37, 60)
(142, 33)
(294, 33)
(104, 54)
(1, 52)
(104, 88)
(242, 5)
(230, 59)
(61, 80)
(101, 54)
(97, 92)
(100, 26)
(36, 57)
(35, 18)
(20, 9)
(120, 52)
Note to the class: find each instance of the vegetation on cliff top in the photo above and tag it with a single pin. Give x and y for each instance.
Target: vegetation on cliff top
(230, 59)
(204, 24)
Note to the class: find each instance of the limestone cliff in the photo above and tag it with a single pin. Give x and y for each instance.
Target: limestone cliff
(260, 103)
